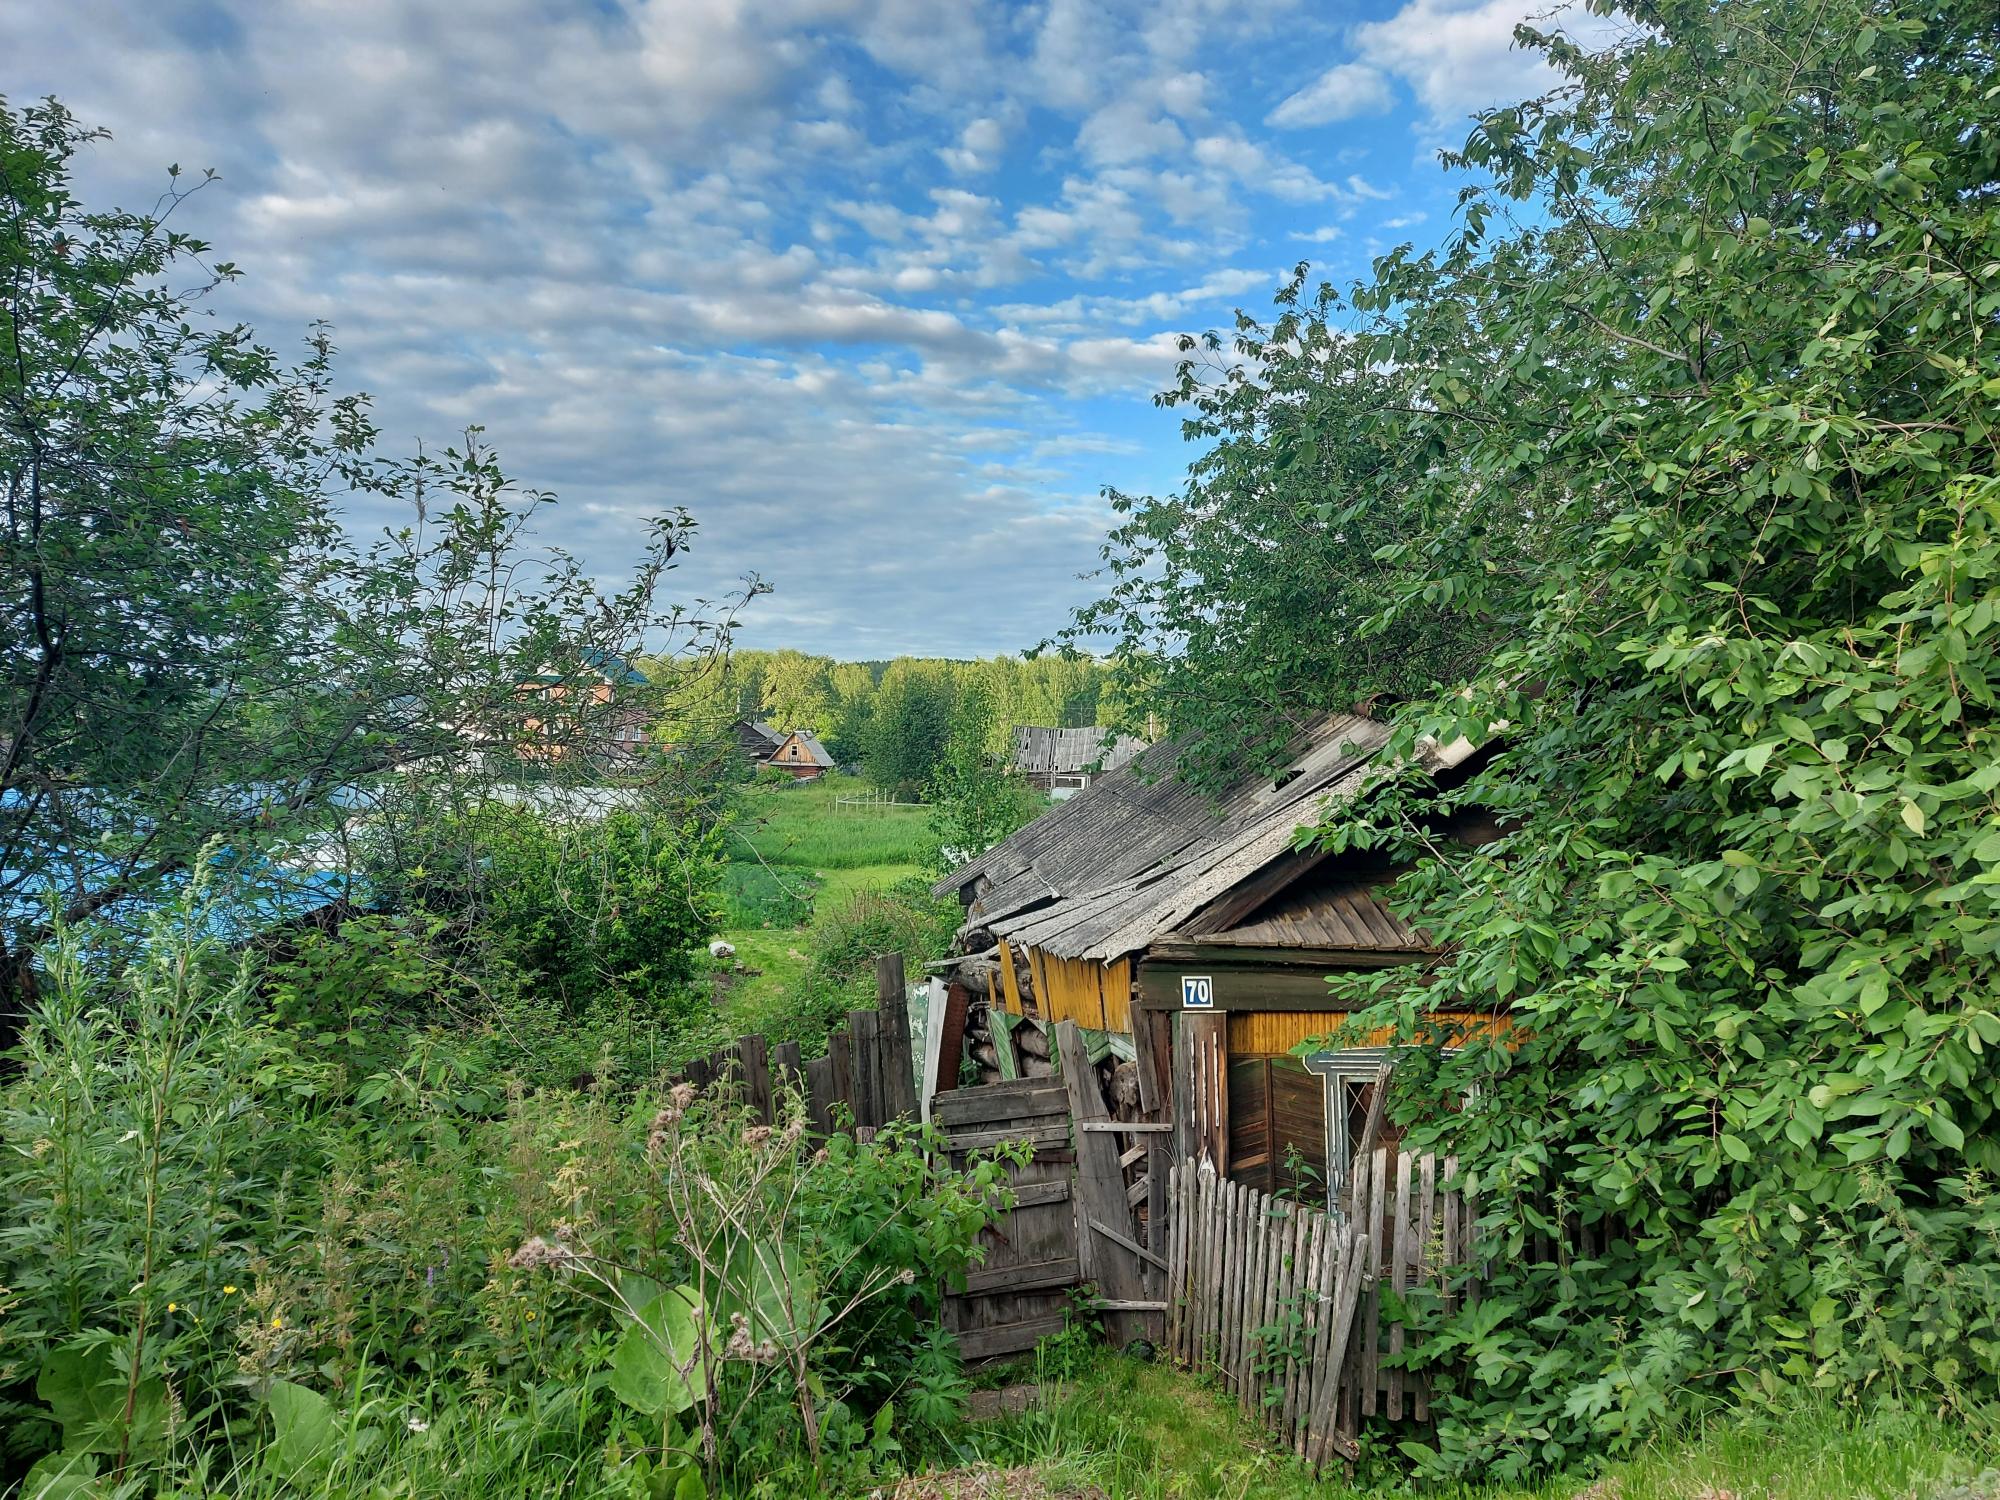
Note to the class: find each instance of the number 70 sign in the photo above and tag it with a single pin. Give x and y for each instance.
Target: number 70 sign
(1197, 992)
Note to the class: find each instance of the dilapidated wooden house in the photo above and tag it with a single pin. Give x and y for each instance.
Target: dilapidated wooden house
(1190, 921)
(1065, 760)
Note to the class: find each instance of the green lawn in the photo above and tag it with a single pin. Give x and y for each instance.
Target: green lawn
(795, 852)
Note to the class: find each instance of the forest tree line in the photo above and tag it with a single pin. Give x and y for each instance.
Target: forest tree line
(895, 719)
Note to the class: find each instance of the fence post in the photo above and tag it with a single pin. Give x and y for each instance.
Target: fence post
(899, 1082)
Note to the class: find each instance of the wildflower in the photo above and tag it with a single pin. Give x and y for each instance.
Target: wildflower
(277, 1322)
(536, 1251)
(682, 1096)
(173, 1307)
(757, 1137)
(418, 1424)
(531, 1315)
(229, 1291)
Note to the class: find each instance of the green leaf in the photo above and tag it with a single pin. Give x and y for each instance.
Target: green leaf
(86, 1383)
(1733, 1147)
(302, 1424)
(655, 1368)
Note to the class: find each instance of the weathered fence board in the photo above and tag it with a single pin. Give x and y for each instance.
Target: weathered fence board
(1254, 1294)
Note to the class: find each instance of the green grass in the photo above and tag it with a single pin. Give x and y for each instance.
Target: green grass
(1151, 1432)
(795, 853)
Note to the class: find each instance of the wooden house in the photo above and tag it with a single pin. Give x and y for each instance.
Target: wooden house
(1190, 920)
(756, 739)
(1064, 760)
(599, 707)
(802, 755)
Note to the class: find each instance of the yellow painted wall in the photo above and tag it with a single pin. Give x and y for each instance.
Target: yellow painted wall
(1268, 1033)
(1095, 995)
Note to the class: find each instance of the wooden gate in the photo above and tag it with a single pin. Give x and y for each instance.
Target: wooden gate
(1020, 1294)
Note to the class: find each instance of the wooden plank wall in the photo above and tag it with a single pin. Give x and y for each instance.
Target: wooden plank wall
(1019, 1294)
(869, 1067)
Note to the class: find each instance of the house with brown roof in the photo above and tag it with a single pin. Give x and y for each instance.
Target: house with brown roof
(1192, 921)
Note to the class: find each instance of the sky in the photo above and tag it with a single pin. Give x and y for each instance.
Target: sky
(880, 290)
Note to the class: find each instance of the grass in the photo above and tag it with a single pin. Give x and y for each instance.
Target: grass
(1151, 1432)
(794, 854)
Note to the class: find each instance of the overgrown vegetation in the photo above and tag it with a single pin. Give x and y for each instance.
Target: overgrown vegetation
(235, 1259)
(1681, 493)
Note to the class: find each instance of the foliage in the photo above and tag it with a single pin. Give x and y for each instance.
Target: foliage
(789, 1277)
(975, 803)
(223, 668)
(616, 906)
(1733, 366)
(1251, 602)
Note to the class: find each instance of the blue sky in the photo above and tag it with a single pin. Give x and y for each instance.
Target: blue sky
(879, 289)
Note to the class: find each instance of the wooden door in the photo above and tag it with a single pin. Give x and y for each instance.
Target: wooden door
(1019, 1295)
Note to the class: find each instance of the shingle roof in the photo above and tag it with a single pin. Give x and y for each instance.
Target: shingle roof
(1069, 752)
(1136, 855)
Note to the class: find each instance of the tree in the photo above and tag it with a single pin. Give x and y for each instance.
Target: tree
(1692, 430)
(975, 803)
(910, 723)
(1253, 600)
(193, 656)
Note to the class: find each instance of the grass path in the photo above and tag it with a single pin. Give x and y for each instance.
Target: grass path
(1128, 1428)
(795, 852)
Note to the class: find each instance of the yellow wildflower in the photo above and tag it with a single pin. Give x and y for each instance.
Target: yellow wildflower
(229, 1291)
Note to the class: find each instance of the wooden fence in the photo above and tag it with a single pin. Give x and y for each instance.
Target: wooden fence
(868, 1065)
(1264, 1293)
(1283, 1303)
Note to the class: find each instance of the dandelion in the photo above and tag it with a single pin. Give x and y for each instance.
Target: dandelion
(173, 1307)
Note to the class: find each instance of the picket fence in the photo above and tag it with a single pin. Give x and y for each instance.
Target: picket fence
(1283, 1304)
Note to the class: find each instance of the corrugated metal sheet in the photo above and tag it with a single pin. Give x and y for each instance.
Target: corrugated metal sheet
(1107, 872)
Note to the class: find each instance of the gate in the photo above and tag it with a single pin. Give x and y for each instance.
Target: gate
(1019, 1295)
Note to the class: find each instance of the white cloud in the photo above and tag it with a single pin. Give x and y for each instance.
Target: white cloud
(1340, 93)
(725, 253)
(1459, 56)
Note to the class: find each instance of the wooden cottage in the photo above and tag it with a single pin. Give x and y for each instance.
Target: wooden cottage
(756, 739)
(1065, 760)
(1189, 921)
(802, 755)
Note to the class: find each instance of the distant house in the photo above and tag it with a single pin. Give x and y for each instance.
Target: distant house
(1062, 761)
(802, 755)
(608, 681)
(758, 740)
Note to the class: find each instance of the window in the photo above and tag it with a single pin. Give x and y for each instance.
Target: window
(1350, 1080)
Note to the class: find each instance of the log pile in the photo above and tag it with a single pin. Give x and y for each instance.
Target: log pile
(999, 1046)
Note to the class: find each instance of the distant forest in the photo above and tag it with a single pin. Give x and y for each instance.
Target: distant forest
(895, 718)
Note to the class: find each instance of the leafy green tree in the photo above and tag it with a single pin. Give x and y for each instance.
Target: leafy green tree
(975, 803)
(1691, 425)
(193, 655)
(910, 724)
